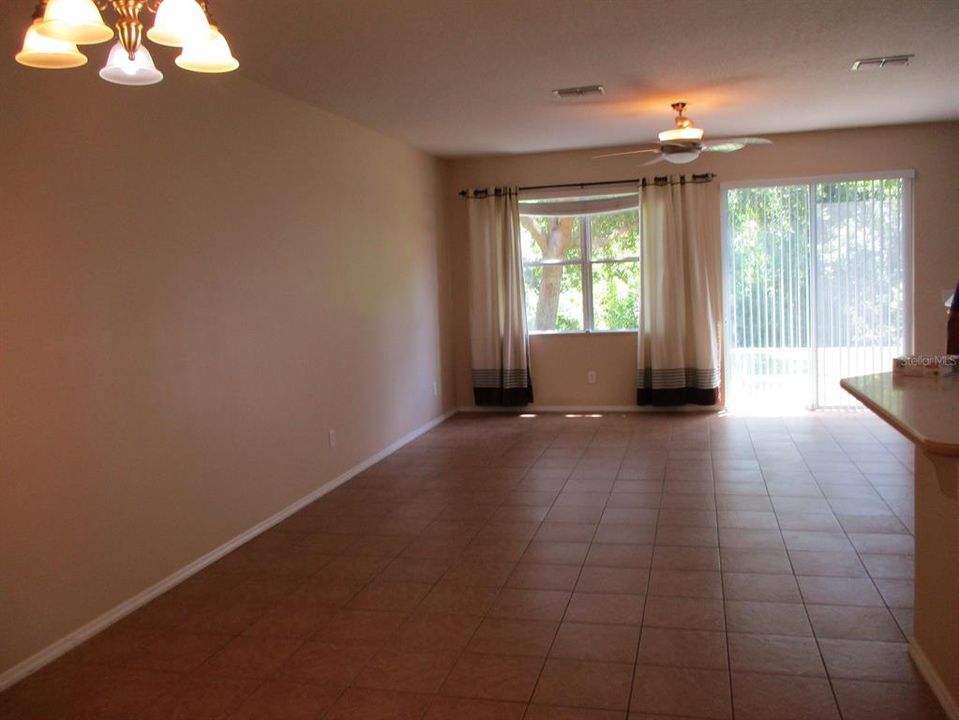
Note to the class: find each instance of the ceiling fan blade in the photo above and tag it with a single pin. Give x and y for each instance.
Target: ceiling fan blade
(655, 160)
(738, 141)
(723, 147)
(628, 152)
(733, 144)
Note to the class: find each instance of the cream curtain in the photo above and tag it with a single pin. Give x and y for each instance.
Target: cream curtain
(680, 267)
(499, 343)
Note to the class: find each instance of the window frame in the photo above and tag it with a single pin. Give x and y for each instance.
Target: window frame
(585, 263)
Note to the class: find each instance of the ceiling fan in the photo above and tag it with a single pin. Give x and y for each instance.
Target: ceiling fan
(684, 143)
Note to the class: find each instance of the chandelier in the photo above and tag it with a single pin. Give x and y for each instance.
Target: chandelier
(60, 25)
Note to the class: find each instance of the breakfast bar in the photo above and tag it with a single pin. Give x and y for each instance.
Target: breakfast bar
(926, 410)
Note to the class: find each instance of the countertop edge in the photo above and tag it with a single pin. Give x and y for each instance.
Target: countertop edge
(926, 443)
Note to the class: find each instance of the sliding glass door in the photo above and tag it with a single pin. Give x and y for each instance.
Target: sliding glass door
(816, 288)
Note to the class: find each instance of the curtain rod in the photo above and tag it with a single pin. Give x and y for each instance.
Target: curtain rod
(704, 177)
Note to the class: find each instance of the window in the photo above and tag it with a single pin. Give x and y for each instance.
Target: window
(581, 268)
(817, 286)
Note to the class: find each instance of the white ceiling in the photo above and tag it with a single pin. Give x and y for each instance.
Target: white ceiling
(457, 77)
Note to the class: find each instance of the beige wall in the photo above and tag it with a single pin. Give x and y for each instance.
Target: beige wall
(198, 281)
(560, 363)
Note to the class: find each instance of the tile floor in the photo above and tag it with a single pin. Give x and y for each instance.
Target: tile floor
(550, 567)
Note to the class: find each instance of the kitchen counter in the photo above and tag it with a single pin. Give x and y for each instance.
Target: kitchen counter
(926, 410)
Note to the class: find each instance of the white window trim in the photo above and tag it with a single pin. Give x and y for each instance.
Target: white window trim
(585, 263)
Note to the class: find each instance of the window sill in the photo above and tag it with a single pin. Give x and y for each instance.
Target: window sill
(550, 333)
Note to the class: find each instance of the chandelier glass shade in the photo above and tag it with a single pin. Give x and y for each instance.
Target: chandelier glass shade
(209, 53)
(177, 22)
(75, 21)
(59, 26)
(120, 69)
(42, 52)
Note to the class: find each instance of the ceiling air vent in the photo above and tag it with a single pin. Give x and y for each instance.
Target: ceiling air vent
(878, 63)
(578, 92)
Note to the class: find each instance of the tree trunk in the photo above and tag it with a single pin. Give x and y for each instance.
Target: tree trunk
(553, 242)
(548, 306)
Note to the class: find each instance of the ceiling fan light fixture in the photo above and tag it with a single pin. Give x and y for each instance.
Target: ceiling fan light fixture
(681, 134)
(682, 157)
(208, 54)
(46, 53)
(74, 21)
(178, 22)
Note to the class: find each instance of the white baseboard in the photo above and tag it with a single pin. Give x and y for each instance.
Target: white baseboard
(81, 634)
(949, 704)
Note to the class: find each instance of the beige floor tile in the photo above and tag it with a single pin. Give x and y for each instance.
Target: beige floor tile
(682, 691)
(420, 672)
(687, 536)
(524, 604)
(619, 555)
(553, 712)
(283, 700)
(685, 583)
(685, 613)
(861, 700)
(370, 704)
(845, 622)
(493, 677)
(176, 651)
(775, 654)
(683, 648)
(839, 591)
(608, 643)
(326, 664)
(750, 538)
(458, 599)
(450, 708)
(200, 697)
(827, 564)
(767, 618)
(496, 553)
(605, 608)
(782, 697)
(503, 636)
(424, 631)
(613, 580)
(252, 657)
(667, 557)
(538, 576)
(882, 566)
(584, 683)
(556, 553)
(481, 573)
(896, 593)
(761, 586)
(755, 561)
(625, 534)
(868, 660)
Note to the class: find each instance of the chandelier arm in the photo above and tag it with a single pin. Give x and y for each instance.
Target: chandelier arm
(129, 27)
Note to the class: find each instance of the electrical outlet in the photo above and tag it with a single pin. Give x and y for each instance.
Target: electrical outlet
(436, 389)
(591, 377)
(332, 438)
